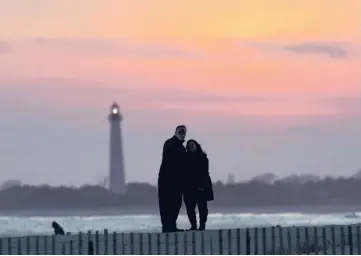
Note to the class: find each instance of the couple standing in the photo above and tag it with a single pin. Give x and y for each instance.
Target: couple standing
(183, 175)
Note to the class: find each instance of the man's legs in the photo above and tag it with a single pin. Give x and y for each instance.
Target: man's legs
(203, 213)
(191, 212)
(164, 206)
(176, 205)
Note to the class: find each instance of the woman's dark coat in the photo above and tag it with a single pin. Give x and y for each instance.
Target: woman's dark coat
(198, 183)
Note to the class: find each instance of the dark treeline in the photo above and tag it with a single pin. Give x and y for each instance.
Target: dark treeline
(330, 191)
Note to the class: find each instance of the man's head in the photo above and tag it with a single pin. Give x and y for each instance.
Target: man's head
(181, 132)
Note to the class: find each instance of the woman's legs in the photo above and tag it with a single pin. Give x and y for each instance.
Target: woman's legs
(191, 212)
(203, 213)
(190, 202)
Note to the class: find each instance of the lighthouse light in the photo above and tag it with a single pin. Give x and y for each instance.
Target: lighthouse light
(115, 111)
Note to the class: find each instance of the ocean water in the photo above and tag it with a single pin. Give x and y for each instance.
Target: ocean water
(21, 226)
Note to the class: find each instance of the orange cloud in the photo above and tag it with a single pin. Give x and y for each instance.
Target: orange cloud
(183, 19)
(210, 46)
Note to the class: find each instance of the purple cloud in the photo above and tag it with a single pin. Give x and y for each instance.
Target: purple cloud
(5, 48)
(332, 50)
(121, 47)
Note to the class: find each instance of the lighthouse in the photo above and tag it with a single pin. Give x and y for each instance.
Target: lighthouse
(116, 161)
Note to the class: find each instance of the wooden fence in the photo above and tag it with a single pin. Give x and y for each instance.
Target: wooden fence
(344, 239)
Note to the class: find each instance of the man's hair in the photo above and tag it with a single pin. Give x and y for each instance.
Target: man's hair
(181, 126)
(181, 129)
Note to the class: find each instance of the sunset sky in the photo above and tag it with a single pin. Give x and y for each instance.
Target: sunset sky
(264, 85)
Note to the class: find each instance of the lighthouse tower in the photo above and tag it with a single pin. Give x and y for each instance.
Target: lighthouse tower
(116, 165)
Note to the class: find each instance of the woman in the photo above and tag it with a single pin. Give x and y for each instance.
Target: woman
(198, 185)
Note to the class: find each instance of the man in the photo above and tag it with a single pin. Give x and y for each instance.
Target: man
(170, 178)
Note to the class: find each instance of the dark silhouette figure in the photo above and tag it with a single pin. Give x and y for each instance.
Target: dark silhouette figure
(58, 230)
(90, 248)
(171, 173)
(198, 188)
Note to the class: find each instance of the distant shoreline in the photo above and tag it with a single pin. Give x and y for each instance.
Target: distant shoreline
(341, 195)
(120, 211)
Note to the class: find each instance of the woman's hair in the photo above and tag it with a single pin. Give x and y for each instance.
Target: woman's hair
(198, 146)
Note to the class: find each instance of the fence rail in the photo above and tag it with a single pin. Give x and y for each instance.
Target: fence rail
(336, 240)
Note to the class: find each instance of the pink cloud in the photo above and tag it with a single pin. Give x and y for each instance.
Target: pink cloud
(5, 48)
(66, 94)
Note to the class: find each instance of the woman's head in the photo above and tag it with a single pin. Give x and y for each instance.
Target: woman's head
(194, 146)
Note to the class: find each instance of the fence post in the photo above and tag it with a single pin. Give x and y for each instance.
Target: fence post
(90, 248)
(248, 242)
(141, 251)
(131, 238)
(37, 242)
(185, 245)
(255, 240)
(342, 240)
(10, 246)
(106, 241)
(123, 244)
(264, 243)
(273, 241)
(53, 245)
(71, 249)
(220, 241)
(90, 244)
(358, 235)
(324, 237)
(150, 244)
(176, 249)
(63, 252)
(333, 240)
(158, 244)
(350, 239)
(289, 239)
(80, 243)
(229, 236)
(19, 247)
(28, 245)
(298, 240)
(307, 241)
(115, 243)
(166, 243)
(238, 235)
(315, 238)
(45, 248)
(97, 242)
(280, 235)
(203, 247)
(193, 242)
